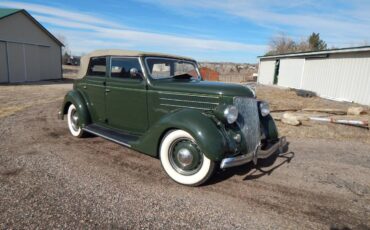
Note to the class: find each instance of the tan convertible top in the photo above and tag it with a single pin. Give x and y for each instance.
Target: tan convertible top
(113, 52)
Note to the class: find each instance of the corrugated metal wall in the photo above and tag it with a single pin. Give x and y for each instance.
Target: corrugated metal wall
(339, 76)
(291, 72)
(266, 72)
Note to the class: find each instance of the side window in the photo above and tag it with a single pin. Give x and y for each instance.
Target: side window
(97, 66)
(121, 68)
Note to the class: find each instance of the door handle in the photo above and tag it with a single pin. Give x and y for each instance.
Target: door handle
(85, 87)
(107, 90)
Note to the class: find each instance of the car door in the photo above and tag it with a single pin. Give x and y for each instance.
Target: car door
(126, 100)
(94, 88)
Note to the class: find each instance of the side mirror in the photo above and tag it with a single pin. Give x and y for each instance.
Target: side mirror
(134, 72)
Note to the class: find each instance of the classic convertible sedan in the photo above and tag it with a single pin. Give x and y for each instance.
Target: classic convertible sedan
(159, 105)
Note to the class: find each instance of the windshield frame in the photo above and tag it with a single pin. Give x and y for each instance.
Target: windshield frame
(193, 62)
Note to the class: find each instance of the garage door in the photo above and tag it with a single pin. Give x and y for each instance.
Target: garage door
(32, 57)
(3, 63)
(266, 72)
(27, 62)
(291, 72)
(45, 62)
(16, 61)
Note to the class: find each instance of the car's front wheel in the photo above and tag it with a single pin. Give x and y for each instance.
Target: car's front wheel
(73, 124)
(183, 160)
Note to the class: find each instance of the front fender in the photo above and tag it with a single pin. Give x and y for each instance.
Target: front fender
(75, 97)
(205, 132)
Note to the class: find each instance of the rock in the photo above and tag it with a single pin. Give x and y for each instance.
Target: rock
(290, 119)
(356, 111)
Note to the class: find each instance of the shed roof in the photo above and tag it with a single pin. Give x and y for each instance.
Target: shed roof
(318, 53)
(6, 12)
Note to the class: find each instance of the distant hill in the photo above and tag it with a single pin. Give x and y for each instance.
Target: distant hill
(232, 72)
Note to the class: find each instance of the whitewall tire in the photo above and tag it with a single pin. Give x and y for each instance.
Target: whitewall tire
(72, 117)
(183, 161)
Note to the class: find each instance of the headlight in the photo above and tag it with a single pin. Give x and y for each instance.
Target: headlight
(264, 108)
(231, 114)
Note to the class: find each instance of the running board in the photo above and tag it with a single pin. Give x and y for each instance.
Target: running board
(117, 137)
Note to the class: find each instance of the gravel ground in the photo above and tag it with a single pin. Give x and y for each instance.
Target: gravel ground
(48, 179)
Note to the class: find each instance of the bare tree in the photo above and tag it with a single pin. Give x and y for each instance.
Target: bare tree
(66, 52)
(281, 44)
(63, 40)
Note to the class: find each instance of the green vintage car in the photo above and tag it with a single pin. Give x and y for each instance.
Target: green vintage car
(159, 105)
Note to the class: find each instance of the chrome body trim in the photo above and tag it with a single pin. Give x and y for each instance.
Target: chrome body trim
(189, 94)
(106, 137)
(253, 156)
(200, 102)
(183, 106)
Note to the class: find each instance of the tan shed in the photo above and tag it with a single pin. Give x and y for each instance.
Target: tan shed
(28, 52)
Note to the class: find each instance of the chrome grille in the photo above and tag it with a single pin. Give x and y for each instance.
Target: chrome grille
(248, 121)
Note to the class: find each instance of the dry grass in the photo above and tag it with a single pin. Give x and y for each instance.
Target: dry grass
(15, 98)
(288, 99)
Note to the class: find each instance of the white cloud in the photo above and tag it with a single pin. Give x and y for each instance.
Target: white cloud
(56, 12)
(85, 32)
(297, 18)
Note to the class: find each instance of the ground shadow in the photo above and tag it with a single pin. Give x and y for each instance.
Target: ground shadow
(44, 82)
(252, 171)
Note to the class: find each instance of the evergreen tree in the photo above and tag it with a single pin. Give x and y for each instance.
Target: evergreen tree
(316, 43)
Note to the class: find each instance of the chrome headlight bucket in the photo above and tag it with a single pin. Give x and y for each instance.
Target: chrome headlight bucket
(264, 108)
(227, 113)
(231, 114)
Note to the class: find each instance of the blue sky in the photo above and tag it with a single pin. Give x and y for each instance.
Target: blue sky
(218, 30)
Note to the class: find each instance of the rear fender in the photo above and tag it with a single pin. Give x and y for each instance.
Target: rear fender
(75, 98)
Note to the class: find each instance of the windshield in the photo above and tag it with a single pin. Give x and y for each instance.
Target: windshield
(164, 68)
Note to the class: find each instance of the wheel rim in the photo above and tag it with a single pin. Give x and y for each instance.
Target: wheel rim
(74, 120)
(185, 156)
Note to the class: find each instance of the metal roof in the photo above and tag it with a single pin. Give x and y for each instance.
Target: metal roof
(317, 53)
(6, 12)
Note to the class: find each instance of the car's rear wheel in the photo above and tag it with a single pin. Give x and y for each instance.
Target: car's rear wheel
(73, 120)
(183, 160)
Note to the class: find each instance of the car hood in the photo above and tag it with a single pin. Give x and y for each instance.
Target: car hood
(203, 87)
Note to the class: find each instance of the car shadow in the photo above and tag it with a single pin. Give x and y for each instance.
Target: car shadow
(251, 171)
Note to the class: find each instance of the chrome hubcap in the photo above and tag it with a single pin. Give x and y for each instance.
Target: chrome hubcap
(184, 157)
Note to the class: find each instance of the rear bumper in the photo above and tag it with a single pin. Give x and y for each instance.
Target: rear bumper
(253, 156)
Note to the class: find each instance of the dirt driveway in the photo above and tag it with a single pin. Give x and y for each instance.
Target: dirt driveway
(48, 179)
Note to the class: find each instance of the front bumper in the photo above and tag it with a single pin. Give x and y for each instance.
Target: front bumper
(253, 156)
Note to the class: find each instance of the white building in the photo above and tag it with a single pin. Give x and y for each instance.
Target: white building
(340, 74)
